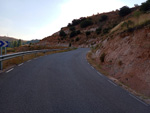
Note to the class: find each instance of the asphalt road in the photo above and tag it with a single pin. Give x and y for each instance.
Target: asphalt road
(63, 83)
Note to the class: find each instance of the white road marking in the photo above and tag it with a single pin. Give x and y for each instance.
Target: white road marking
(9, 70)
(92, 67)
(29, 61)
(99, 73)
(20, 64)
(138, 100)
(112, 83)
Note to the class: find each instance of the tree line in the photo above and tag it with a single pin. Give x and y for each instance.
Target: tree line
(15, 43)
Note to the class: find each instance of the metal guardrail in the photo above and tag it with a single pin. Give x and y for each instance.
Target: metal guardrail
(9, 56)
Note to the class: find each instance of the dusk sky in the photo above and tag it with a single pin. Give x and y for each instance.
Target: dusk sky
(36, 19)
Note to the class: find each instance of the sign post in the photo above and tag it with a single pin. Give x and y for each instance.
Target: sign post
(3, 44)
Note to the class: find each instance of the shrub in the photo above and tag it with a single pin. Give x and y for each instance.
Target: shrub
(145, 6)
(137, 14)
(76, 21)
(72, 28)
(78, 32)
(62, 33)
(98, 30)
(77, 39)
(103, 18)
(69, 44)
(125, 10)
(120, 63)
(102, 57)
(73, 33)
(127, 24)
(88, 33)
(72, 40)
(86, 23)
(69, 25)
(106, 30)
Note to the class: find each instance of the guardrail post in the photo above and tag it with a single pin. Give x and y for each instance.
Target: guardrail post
(1, 50)
(35, 54)
(22, 58)
(5, 50)
(1, 65)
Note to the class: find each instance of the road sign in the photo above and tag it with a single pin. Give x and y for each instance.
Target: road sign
(3, 43)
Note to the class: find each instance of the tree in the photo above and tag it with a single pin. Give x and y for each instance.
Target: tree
(103, 18)
(145, 6)
(88, 33)
(125, 10)
(77, 39)
(72, 28)
(15, 43)
(86, 23)
(62, 33)
(78, 32)
(19, 43)
(73, 33)
(98, 30)
(69, 44)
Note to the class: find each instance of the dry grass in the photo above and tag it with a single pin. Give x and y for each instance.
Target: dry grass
(137, 21)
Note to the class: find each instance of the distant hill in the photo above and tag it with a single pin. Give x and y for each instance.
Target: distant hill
(33, 41)
(9, 39)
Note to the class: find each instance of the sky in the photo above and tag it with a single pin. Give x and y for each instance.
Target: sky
(36, 19)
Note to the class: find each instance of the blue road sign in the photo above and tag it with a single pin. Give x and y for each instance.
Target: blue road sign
(3, 43)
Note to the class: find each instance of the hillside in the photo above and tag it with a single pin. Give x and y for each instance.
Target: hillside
(120, 42)
(9, 39)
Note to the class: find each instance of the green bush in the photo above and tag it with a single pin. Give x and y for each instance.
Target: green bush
(106, 30)
(62, 33)
(78, 32)
(98, 30)
(103, 18)
(73, 33)
(137, 14)
(77, 39)
(88, 33)
(69, 44)
(72, 28)
(102, 57)
(125, 10)
(72, 40)
(76, 21)
(145, 6)
(86, 23)
(128, 24)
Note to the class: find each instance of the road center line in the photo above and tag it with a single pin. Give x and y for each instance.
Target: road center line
(112, 83)
(9, 70)
(20, 64)
(138, 100)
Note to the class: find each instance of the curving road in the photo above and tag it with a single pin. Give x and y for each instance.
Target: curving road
(63, 83)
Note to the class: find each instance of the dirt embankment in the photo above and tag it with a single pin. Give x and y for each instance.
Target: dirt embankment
(127, 58)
